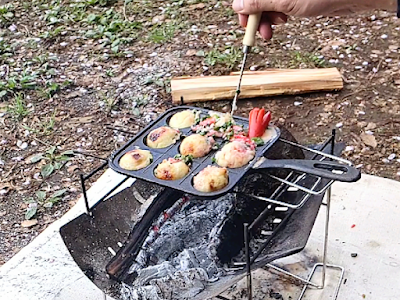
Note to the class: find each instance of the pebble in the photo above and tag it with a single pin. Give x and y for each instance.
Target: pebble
(17, 158)
(12, 28)
(349, 148)
(22, 145)
(253, 68)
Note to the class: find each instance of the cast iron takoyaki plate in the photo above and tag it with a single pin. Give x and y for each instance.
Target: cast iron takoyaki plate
(184, 184)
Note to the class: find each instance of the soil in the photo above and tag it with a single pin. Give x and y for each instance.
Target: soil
(73, 73)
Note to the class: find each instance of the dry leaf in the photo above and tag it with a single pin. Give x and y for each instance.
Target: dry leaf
(196, 6)
(368, 139)
(72, 168)
(29, 223)
(191, 52)
(371, 126)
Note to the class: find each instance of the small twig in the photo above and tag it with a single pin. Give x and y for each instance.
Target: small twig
(124, 11)
(40, 141)
(9, 172)
(372, 74)
(87, 154)
(120, 130)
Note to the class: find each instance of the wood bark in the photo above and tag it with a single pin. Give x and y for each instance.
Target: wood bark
(255, 84)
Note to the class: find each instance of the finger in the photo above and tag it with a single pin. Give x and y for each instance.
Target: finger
(243, 20)
(265, 29)
(275, 18)
(248, 7)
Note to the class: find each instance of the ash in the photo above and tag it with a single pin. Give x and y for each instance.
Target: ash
(193, 244)
(179, 257)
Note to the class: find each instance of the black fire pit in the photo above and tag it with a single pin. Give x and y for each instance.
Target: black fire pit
(131, 223)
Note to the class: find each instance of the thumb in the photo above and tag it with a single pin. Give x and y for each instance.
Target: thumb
(248, 7)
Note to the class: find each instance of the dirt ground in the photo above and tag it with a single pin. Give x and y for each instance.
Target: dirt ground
(73, 72)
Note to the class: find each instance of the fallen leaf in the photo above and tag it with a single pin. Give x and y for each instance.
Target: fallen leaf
(29, 223)
(368, 139)
(73, 94)
(191, 52)
(158, 19)
(72, 168)
(371, 126)
(196, 6)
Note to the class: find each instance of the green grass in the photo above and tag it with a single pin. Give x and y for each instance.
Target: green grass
(305, 59)
(228, 58)
(162, 33)
(42, 128)
(17, 107)
(6, 15)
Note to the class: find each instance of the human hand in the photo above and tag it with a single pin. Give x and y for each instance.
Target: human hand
(276, 11)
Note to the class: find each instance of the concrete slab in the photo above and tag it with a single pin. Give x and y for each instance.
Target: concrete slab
(44, 269)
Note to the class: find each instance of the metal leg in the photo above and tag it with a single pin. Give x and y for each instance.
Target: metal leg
(85, 195)
(335, 295)
(248, 264)
(307, 282)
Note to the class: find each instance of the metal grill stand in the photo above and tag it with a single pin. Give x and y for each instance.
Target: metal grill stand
(293, 182)
(285, 184)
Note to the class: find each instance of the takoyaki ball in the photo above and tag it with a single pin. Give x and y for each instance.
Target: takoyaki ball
(135, 160)
(235, 154)
(269, 134)
(211, 179)
(171, 169)
(183, 119)
(162, 137)
(196, 145)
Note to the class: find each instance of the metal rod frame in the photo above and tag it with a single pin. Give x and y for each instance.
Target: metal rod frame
(290, 181)
(83, 178)
(285, 184)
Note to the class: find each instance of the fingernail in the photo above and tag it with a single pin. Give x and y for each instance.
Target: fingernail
(279, 21)
(241, 4)
(238, 5)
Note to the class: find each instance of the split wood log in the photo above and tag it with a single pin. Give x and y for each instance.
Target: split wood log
(255, 84)
(121, 262)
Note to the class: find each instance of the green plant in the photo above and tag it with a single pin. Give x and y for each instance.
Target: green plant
(99, 2)
(6, 50)
(17, 107)
(43, 200)
(299, 59)
(138, 103)
(54, 161)
(45, 127)
(162, 33)
(110, 73)
(6, 14)
(52, 34)
(228, 58)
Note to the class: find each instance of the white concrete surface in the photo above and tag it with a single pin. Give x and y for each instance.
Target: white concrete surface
(44, 269)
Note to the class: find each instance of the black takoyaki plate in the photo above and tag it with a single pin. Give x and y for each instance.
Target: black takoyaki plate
(185, 184)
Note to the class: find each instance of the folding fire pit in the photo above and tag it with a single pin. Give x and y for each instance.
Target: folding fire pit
(185, 246)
